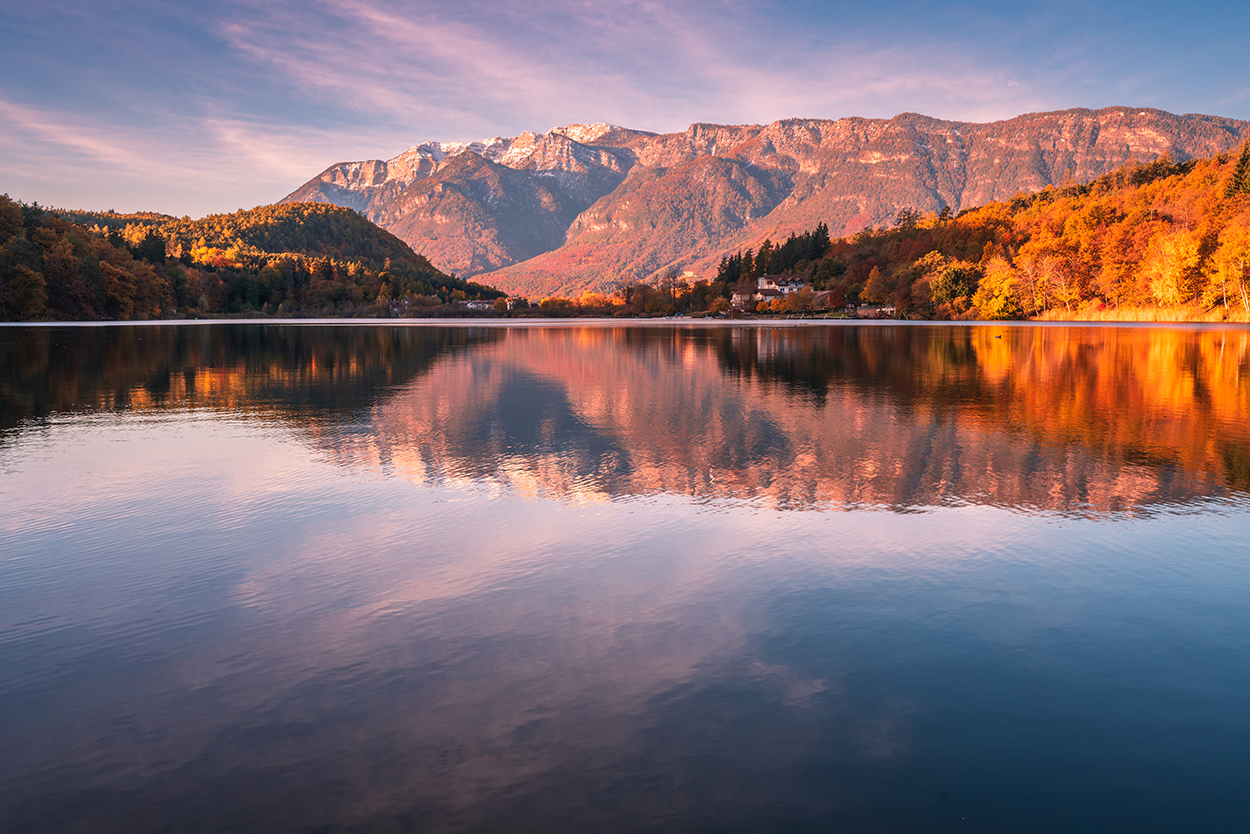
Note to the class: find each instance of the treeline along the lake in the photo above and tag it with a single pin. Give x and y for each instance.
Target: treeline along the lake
(1147, 240)
(294, 259)
(1163, 235)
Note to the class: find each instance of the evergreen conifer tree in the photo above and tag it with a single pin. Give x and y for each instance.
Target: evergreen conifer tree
(1240, 182)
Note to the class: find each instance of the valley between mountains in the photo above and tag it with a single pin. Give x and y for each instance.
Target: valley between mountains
(586, 207)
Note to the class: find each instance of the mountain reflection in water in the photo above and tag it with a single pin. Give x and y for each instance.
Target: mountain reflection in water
(408, 578)
(902, 417)
(1056, 418)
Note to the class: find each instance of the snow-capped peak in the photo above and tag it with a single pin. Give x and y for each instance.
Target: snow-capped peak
(420, 161)
(585, 133)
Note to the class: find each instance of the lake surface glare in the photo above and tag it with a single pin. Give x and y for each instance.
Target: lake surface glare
(852, 578)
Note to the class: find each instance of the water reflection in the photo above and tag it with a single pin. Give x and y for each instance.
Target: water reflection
(301, 373)
(1062, 418)
(261, 578)
(1043, 418)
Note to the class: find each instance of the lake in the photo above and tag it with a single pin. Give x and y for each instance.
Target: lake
(845, 577)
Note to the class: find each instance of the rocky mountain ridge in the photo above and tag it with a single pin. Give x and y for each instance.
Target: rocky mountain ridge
(586, 206)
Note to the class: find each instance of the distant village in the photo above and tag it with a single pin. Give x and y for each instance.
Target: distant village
(772, 295)
(772, 292)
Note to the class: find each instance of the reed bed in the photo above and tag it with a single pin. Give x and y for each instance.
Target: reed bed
(1152, 314)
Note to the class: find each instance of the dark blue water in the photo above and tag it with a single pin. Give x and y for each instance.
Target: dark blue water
(873, 578)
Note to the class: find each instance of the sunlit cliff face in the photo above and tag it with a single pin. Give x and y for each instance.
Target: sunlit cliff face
(1034, 418)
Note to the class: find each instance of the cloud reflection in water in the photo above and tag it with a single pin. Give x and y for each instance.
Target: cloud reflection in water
(404, 578)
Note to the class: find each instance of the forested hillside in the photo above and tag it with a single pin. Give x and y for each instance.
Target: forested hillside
(296, 259)
(1162, 236)
(1164, 240)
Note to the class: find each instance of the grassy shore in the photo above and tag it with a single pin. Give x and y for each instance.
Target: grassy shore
(1160, 314)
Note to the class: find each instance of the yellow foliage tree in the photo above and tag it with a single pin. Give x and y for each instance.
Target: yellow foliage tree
(996, 298)
(1232, 265)
(1170, 261)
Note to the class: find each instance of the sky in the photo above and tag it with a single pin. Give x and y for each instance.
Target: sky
(190, 108)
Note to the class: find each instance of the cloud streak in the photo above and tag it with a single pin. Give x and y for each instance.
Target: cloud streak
(212, 105)
(645, 65)
(216, 162)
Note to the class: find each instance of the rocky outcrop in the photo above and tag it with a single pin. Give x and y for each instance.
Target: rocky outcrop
(586, 206)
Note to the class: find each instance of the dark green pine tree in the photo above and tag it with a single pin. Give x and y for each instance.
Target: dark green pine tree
(1240, 183)
(764, 260)
(820, 242)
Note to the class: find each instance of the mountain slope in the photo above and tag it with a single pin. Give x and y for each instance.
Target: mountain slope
(585, 206)
(310, 229)
(303, 258)
(477, 207)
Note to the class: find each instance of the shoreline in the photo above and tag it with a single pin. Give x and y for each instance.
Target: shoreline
(630, 322)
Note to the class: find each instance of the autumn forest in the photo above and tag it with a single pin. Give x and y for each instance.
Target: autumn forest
(1157, 240)
(1164, 240)
(302, 259)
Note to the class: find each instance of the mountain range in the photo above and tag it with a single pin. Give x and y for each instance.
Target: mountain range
(586, 206)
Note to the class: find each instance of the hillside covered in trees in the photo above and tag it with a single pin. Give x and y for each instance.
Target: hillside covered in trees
(1164, 240)
(294, 259)
(1161, 237)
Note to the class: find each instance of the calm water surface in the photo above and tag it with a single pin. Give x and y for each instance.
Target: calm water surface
(265, 578)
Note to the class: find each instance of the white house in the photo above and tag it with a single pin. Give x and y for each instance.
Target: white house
(785, 283)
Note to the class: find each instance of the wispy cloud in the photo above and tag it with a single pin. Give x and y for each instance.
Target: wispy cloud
(200, 164)
(648, 65)
(48, 134)
(222, 102)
